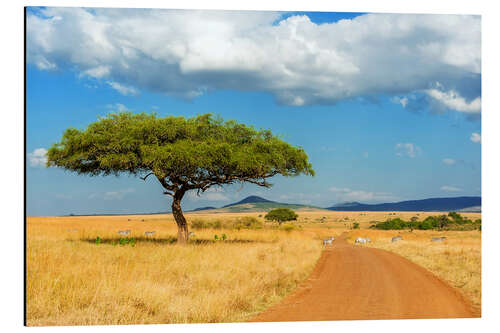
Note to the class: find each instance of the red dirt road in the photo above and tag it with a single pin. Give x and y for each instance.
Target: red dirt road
(355, 282)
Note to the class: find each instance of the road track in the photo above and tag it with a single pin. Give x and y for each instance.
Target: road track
(357, 282)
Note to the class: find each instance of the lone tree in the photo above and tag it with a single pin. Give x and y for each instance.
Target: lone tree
(183, 154)
(281, 215)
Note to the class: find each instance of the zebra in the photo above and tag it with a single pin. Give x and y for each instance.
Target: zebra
(360, 240)
(124, 232)
(149, 233)
(328, 241)
(397, 238)
(438, 239)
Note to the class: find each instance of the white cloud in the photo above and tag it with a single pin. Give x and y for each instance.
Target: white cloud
(452, 100)
(449, 161)
(117, 107)
(475, 137)
(408, 149)
(211, 194)
(347, 194)
(400, 100)
(38, 157)
(450, 188)
(112, 195)
(97, 72)
(188, 53)
(122, 89)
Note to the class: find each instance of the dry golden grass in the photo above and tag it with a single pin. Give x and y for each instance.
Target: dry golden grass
(73, 281)
(456, 260)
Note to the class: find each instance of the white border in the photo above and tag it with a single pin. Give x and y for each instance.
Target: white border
(12, 159)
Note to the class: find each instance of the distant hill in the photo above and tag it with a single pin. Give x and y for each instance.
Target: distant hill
(253, 199)
(202, 208)
(431, 205)
(255, 203)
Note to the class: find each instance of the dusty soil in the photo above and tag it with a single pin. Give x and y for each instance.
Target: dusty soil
(355, 282)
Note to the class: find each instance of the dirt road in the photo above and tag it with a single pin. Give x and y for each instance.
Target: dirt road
(355, 282)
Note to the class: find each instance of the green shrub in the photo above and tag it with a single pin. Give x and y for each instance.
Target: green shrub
(281, 215)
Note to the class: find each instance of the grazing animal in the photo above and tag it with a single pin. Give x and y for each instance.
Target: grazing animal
(438, 239)
(149, 233)
(328, 241)
(124, 232)
(360, 240)
(368, 240)
(397, 238)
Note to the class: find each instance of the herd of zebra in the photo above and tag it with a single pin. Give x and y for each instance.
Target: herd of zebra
(127, 232)
(360, 240)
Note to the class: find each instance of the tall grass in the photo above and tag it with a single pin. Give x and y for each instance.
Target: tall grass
(456, 260)
(71, 280)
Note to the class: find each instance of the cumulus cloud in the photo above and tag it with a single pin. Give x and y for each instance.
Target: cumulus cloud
(452, 100)
(475, 137)
(189, 53)
(211, 194)
(449, 161)
(38, 157)
(347, 194)
(408, 149)
(450, 188)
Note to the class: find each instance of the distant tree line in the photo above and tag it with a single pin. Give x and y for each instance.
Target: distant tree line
(452, 221)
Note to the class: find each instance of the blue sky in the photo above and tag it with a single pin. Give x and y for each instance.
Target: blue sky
(387, 107)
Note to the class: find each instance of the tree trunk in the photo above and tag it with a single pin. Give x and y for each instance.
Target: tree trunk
(182, 233)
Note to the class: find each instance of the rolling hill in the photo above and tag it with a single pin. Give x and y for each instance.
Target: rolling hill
(463, 204)
(255, 203)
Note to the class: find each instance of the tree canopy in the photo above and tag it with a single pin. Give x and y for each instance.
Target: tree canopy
(281, 215)
(182, 153)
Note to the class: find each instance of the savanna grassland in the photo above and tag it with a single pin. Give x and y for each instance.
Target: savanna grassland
(71, 280)
(74, 280)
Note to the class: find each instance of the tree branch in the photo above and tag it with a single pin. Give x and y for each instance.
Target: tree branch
(149, 174)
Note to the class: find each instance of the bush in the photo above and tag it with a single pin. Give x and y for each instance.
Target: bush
(392, 224)
(281, 215)
(355, 225)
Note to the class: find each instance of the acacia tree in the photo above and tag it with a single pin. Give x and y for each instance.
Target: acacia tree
(183, 154)
(281, 215)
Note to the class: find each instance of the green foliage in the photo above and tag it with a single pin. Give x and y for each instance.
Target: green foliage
(441, 222)
(223, 237)
(391, 224)
(355, 225)
(281, 215)
(180, 151)
(125, 241)
(98, 240)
